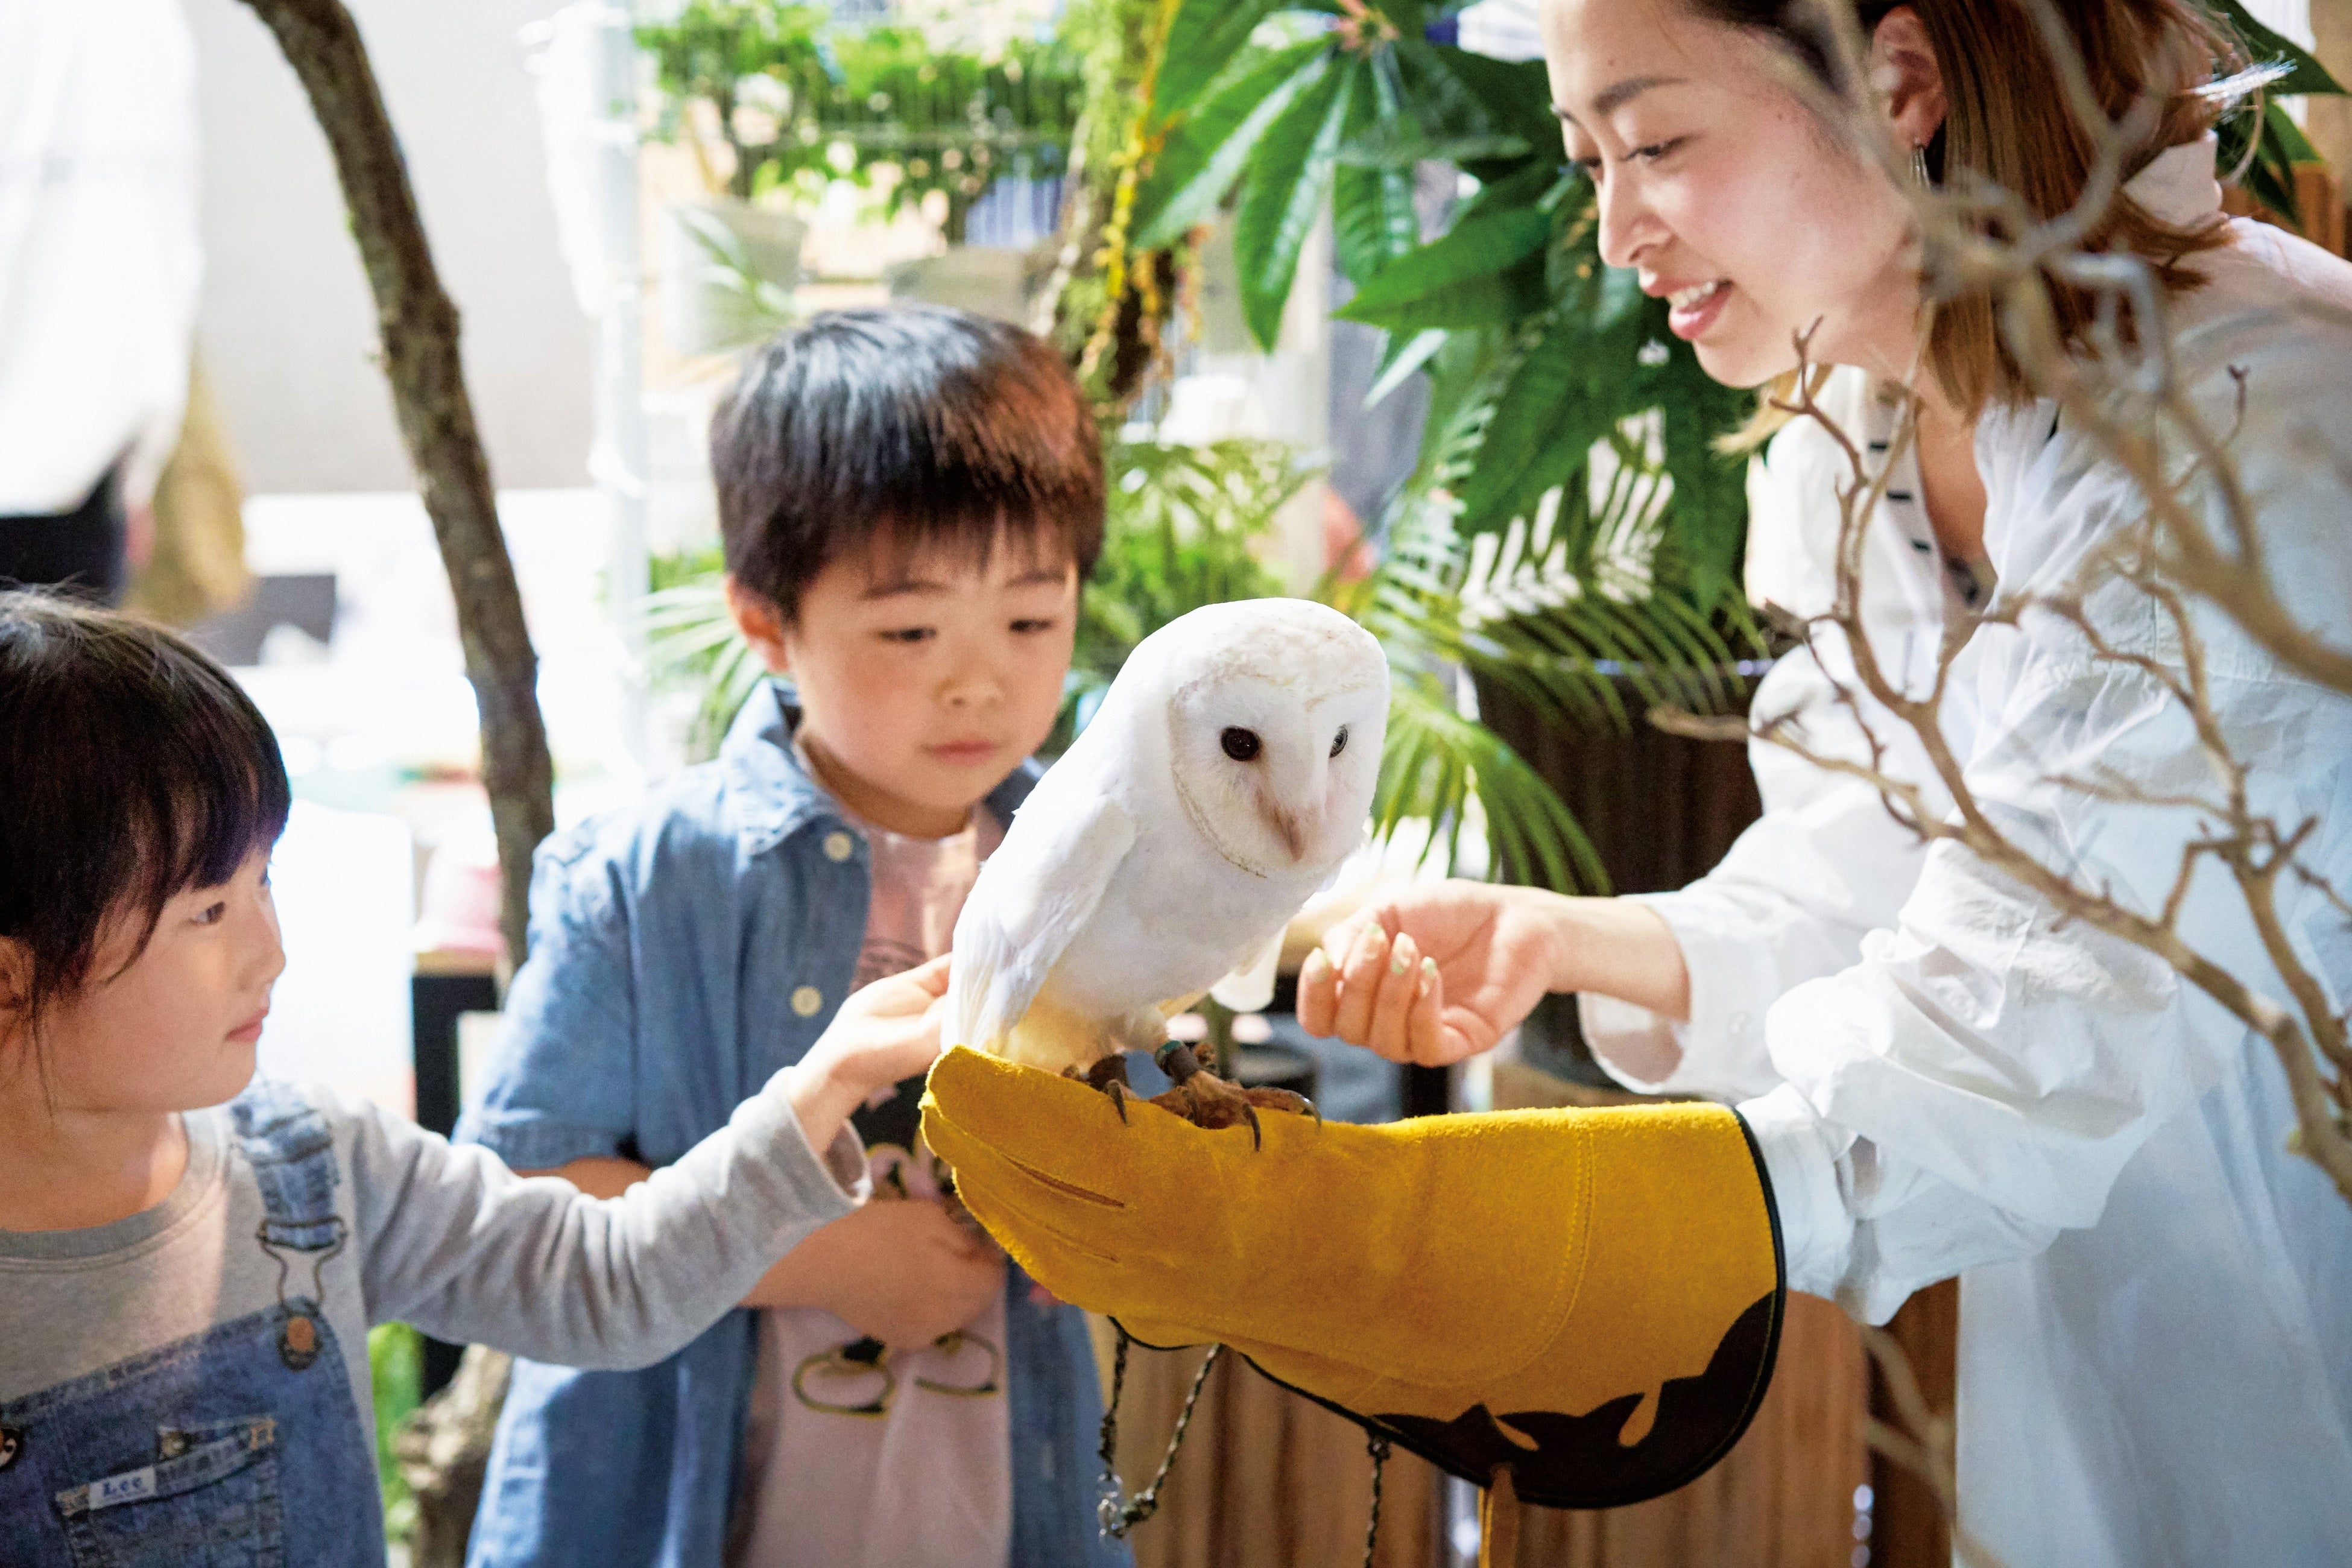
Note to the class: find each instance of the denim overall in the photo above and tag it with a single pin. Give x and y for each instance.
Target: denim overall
(236, 1445)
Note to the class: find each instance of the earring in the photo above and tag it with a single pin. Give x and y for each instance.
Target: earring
(1919, 165)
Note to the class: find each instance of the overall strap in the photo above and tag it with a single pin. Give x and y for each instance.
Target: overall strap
(292, 1152)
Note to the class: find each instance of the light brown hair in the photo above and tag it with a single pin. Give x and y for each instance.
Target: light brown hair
(2008, 124)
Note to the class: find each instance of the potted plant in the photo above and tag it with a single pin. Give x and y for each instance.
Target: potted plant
(729, 77)
(776, 101)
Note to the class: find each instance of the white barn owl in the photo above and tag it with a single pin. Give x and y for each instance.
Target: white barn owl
(1227, 773)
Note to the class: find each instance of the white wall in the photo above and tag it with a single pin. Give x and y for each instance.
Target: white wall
(287, 326)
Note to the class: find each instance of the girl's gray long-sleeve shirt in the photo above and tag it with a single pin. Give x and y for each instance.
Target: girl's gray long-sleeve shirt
(444, 1237)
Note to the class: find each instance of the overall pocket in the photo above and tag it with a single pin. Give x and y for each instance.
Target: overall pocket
(209, 1500)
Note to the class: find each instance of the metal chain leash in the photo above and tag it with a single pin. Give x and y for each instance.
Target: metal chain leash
(1378, 1447)
(1118, 1512)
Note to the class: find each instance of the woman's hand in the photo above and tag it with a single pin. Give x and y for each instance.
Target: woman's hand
(888, 1032)
(1433, 972)
(902, 1271)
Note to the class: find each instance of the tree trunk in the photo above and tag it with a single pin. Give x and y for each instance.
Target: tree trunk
(443, 1447)
(417, 326)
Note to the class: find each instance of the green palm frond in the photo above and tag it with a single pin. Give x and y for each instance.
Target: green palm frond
(1185, 527)
(692, 643)
(1443, 601)
(1437, 763)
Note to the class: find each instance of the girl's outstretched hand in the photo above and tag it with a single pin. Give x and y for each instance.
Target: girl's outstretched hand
(888, 1032)
(1433, 972)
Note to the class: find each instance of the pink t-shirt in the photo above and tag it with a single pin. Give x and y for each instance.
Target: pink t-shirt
(859, 1456)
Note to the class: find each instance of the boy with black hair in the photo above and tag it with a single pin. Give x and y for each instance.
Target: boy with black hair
(909, 499)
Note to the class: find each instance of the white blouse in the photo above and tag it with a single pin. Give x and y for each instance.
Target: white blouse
(2156, 1354)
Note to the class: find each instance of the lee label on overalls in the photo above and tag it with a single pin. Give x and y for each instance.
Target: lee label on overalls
(136, 1486)
(219, 1446)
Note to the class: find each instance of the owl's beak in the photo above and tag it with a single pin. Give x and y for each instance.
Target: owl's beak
(1287, 827)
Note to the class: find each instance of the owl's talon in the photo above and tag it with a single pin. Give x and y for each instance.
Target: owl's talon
(1208, 1101)
(1283, 1100)
(1109, 1075)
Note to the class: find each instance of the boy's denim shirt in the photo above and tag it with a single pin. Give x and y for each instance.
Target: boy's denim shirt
(682, 951)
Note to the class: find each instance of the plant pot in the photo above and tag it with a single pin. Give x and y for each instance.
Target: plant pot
(997, 282)
(729, 270)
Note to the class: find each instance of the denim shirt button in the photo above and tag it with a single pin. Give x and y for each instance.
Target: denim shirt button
(837, 847)
(806, 1000)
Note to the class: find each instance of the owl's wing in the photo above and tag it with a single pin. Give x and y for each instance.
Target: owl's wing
(1250, 986)
(1035, 893)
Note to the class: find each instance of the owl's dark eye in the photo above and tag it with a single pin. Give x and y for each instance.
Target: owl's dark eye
(1242, 745)
(1339, 741)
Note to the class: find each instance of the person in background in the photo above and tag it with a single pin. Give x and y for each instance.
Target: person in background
(908, 501)
(196, 568)
(100, 263)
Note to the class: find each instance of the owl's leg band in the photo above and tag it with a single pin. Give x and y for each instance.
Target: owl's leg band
(1177, 1060)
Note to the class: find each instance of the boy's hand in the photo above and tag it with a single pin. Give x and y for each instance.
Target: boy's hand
(885, 1033)
(903, 1271)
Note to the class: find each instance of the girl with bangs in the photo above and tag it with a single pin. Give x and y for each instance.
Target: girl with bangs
(190, 1258)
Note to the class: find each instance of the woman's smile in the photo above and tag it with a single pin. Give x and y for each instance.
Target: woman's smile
(1692, 308)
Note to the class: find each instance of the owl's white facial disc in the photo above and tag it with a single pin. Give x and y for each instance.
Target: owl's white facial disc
(1276, 743)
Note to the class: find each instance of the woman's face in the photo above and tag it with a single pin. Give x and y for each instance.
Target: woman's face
(1727, 194)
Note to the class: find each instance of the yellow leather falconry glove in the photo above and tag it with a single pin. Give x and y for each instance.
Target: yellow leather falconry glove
(1591, 1298)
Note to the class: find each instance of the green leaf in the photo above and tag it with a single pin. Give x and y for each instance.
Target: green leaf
(1202, 40)
(2308, 76)
(1402, 356)
(1284, 194)
(1468, 94)
(1472, 274)
(691, 642)
(1413, 17)
(1404, 153)
(2282, 139)
(2264, 182)
(1182, 527)
(1434, 761)
(2269, 176)
(1373, 220)
(1209, 146)
(1710, 503)
(1571, 387)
